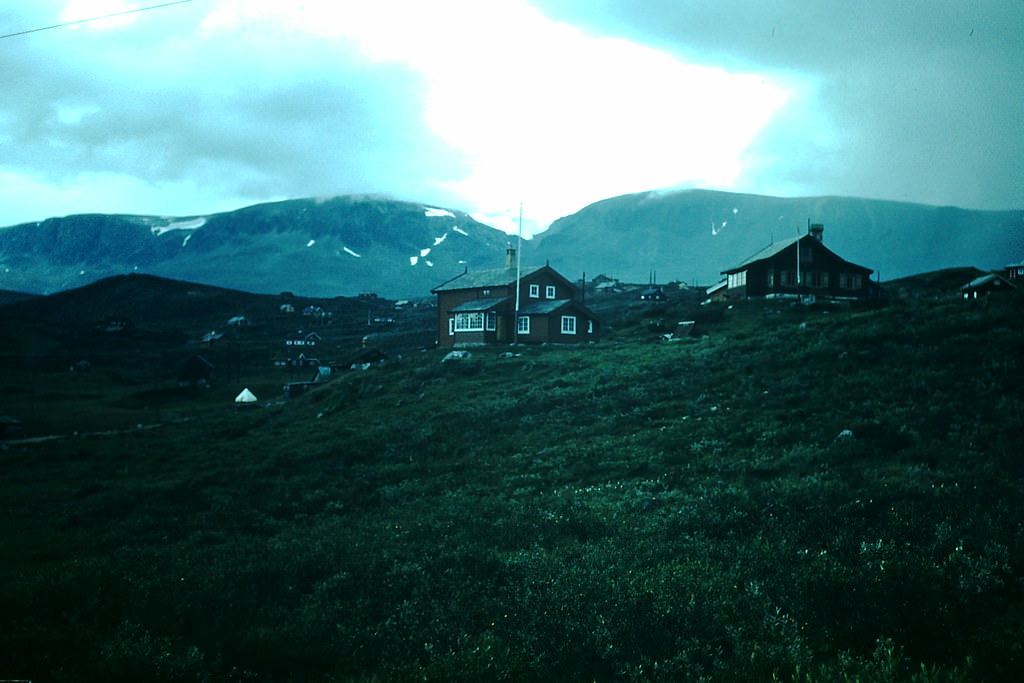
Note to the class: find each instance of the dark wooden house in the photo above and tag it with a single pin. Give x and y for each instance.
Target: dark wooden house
(801, 266)
(480, 308)
(990, 283)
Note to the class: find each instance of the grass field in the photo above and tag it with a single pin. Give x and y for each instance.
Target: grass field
(801, 494)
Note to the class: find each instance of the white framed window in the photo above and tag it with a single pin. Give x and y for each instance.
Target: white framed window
(469, 322)
(590, 326)
(534, 291)
(492, 320)
(451, 325)
(549, 292)
(737, 279)
(568, 324)
(523, 325)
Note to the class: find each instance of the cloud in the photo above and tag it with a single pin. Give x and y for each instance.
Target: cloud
(895, 100)
(557, 103)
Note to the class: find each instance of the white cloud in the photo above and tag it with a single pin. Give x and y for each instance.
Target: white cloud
(543, 111)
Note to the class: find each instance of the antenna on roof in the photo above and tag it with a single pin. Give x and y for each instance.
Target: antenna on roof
(519, 261)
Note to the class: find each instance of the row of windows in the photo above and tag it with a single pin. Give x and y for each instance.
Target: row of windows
(474, 322)
(477, 322)
(809, 278)
(549, 292)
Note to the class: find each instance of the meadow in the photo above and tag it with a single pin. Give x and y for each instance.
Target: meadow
(798, 494)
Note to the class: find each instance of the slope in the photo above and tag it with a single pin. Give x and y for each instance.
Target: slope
(693, 235)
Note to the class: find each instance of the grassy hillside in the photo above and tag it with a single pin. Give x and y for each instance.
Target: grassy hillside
(810, 494)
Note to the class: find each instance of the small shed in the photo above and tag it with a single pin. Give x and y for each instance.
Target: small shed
(685, 329)
(652, 294)
(989, 283)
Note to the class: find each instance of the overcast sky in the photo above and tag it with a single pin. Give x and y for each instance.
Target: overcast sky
(212, 105)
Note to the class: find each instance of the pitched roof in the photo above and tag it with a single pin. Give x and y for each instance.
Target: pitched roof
(478, 305)
(994, 278)
(768, 252)
(778, 247)
(549, 306)
(497, 277)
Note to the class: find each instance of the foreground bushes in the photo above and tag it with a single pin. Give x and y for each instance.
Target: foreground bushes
(644, 511)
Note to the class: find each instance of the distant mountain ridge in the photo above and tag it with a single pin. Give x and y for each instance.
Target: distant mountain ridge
(341, 246)
(692, 235)
(348, 245)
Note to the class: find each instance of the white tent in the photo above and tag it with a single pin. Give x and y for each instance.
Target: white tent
(245, 398)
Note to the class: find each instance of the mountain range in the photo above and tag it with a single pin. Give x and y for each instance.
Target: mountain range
(355, 244)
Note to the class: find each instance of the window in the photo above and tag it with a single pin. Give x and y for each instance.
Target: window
(549, 292)
(769, 279)
(451, 326)
(849, 281)
(590, 326)
(568, 324)
(788, 278)
(492, 320)
(523, 326)
(534, 291)
(737, 279)
(806, 254)
(485, 292)
(469, 322)
(818, 278)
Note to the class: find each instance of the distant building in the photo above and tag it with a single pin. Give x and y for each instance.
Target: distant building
(801, 266)
(480, 308)
(302, 339)
(990, 283)
(652, 294)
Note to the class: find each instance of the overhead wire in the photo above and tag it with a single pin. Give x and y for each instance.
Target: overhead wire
(105, 16)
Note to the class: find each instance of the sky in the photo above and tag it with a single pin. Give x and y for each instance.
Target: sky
(488, 105)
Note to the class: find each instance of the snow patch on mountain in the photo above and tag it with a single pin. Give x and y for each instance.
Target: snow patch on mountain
(178, 224)
(352, 253)
(460, 231)
(432, 212)
(442, 238)
(310, 243)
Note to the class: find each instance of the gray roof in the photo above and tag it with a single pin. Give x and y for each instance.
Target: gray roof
(498, 277)
(773, 249)
(478, 305)
(986, 279)
(768, 252)
(549, 306)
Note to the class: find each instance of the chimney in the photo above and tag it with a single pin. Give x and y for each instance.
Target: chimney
(816, 230)
(510, 257)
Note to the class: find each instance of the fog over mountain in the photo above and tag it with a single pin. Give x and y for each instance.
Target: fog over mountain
(349, 245)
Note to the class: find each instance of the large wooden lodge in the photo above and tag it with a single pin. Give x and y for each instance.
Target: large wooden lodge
(480, 307)
(797, 267)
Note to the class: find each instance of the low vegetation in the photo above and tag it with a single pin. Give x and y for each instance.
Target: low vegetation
(799, 494)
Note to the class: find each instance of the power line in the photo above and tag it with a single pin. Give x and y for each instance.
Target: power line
(105, 16)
